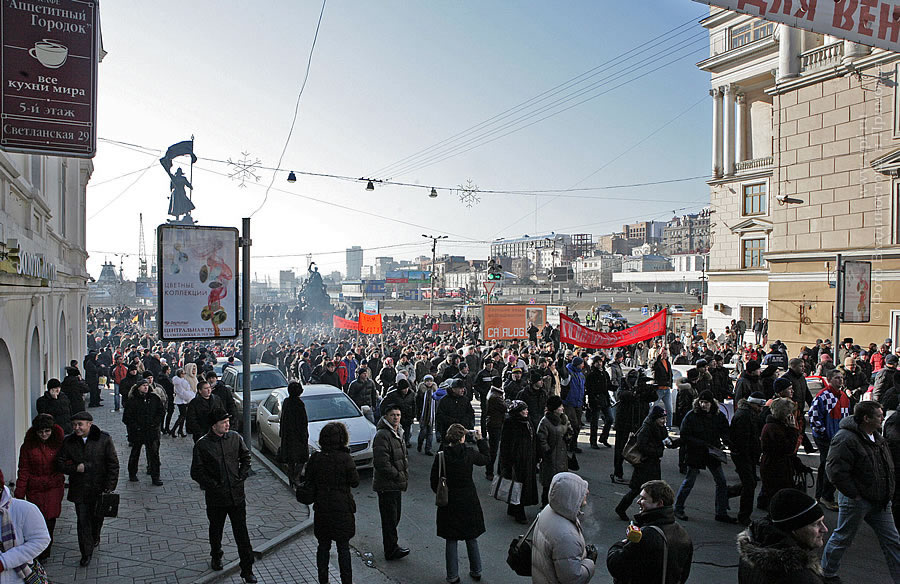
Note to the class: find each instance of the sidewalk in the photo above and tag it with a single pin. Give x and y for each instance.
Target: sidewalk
(161, 533)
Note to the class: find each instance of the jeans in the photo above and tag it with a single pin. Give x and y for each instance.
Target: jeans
(323, 554)
(152, 458)
(851, 513)
(824, 488)
(182, 417)
(426, 434)
(721, 489)
(593, 415)
(665, 395)
(452, 557)
(238, 516)
(390, 507)
(117, 399)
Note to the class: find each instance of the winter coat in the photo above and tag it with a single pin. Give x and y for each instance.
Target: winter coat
(74, 389)
(892, 435)
(334, 474)
(883, 380)
(221, 391)
(575, 396)
(597, 384)
(453, 409)
(58, 407)
(389, 459)
(220, 465)
(183, 392)
(778, 444)
(425, 404)
(649, 442)
(558, 554)
(293, 429)
(642, 562)
(859, 467)
(632, 407)
(552, 435)
(512, 387)
(38, 480)
(767, 555)
(496, 410)
(801, 395)
(517, 456)
(32, 537)
(700, 431)
(101, 465)
(746, 428)
(363, 393)
(536, 398)
(143, 416)
(387, 377)
(197, 417)
(461, 518)
(826, 412)
(662, 372)
(406, 402)
(684, 401)
(746, 384)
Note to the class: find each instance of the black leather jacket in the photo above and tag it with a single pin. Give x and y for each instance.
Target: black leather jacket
(220, 465)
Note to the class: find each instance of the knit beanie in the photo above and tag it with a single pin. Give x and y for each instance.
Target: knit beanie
(781, 384)
(517, 406)
(706, 395)
(791, 509)
(402, 384)
(553, 402)
(657, 412)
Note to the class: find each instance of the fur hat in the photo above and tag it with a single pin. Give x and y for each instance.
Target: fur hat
(791, 509)
(553, 402)
(781, 384)
(517, 406)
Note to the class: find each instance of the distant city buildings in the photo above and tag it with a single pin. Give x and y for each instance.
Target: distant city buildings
(354, 262)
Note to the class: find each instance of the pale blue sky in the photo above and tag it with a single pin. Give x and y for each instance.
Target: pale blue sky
(390, 78)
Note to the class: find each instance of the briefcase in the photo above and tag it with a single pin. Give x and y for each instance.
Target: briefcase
(108, 505)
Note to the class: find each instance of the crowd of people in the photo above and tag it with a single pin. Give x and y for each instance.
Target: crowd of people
(517, 410)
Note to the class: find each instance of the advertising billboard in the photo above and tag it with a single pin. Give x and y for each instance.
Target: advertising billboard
(198, 282)
(49, 55)
(511, 321)
(553, 313)
(857, 291)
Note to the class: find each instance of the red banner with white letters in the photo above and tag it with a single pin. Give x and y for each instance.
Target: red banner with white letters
(343, 323)
(574, 334)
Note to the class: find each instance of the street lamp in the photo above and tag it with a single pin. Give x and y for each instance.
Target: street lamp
(434, 239)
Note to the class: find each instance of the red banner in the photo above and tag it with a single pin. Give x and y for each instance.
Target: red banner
(370, 324)
(573, 333)
(343, 323)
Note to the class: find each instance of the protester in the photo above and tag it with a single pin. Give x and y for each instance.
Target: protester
(406, 399)
(199, 410)
(597, 384)
(778, 445)
(662, 376)
(461, 518)
(333, 473)
(38, 479)
(426, 406)
(24, 536)
(220, 465)
(364, 393)
(829, 407)
(558, 551)
(56, 404)
(143, 417)
(494, 419)
(744, 439)
(390, 478)
(454, 408)
(293, 429)
(88, 456)
(650, 442)
(74, 389)
(517, 458)
(574, 400)
(553, 433)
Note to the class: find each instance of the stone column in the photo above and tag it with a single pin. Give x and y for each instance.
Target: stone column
(716, 94)
(788, 52)
(740, 124)
(728, 141)
(853, 51)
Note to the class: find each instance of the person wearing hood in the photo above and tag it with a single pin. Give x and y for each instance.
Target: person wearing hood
(641, 561)
(574, 400)
(785, 546)
(552, 435)
(558, 551)
(38, 481)
(650, 442)
(426, 406)
(517, 458)
(744, 440)
(25, 536)
(861, 468)
(461, 518)
(493, 422)
(390, 478)
(56, 404)
(704, 428)
(406, 399)
(828, 408)
(748, 382)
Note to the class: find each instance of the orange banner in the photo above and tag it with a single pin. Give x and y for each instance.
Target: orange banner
(512, 321)
(343, 323)
(370, 324)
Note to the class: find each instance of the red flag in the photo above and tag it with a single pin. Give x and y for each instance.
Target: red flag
(573, 333)
(370, 324)
(343, 323)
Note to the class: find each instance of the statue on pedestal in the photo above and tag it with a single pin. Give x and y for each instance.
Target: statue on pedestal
(180, 204)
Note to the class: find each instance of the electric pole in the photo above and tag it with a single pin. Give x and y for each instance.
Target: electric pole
(434, 239)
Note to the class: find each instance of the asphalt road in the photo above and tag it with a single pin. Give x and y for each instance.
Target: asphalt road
(715, 556)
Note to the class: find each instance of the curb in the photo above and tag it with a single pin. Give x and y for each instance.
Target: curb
(267, 546)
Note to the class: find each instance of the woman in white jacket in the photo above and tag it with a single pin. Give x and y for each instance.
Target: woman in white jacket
(558, 552)
(23, 521)
(183, 396)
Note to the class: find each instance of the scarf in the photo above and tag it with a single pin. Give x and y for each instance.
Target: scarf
(8, 532)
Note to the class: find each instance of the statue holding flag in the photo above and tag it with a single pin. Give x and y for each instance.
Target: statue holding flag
(180, 205)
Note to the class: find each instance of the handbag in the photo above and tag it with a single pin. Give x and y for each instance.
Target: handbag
(717, 454)
(506, 490)
(630, 453)
(519, 556)
(573, 462)
(38, 574)
(442, 494)
(306, 488)
(108, 505)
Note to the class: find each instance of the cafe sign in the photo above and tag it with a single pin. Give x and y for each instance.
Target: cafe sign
(48, 65)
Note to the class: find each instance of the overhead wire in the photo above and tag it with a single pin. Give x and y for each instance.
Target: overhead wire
(125, 190)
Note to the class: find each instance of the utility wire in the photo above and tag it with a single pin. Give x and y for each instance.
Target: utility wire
(125, 190)
(540, 97)
(296, 108)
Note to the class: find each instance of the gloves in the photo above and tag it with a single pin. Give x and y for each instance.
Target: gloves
(591, 550)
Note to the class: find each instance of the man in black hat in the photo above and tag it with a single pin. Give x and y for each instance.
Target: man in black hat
(784, 547)
(844, 350)
(88, 456)
(748, 382)
(143, 416)
(220, 465)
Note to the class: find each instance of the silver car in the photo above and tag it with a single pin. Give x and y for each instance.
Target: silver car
(222, 363)
(324, 403)
(263, 379)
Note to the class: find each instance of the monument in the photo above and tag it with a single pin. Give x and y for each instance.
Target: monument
(180, 204)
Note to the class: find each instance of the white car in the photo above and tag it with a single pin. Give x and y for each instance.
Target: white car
(324, 403)
(677, 308)
(222, 363)
(263, 379)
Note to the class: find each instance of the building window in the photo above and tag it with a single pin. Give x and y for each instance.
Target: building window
(36, 172)
(63, 171)
(750, 32)
(755, 199)
(753, 250)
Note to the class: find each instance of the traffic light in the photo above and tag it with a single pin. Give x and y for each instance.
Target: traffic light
(495, 271)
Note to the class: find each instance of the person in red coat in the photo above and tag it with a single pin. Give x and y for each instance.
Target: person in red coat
(38, 481)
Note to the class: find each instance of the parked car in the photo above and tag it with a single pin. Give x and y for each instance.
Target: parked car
(605, 308)
(263, 379)
(324, 403)
(222, 363)
(677, 308)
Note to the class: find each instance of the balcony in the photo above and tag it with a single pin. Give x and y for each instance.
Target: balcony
(820, 58)
(755, 164)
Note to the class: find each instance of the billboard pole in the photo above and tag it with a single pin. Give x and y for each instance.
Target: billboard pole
(245, 324)
(838, 304)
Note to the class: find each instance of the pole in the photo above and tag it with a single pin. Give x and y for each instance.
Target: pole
(433, 260)
(838, 304)
(245, 324)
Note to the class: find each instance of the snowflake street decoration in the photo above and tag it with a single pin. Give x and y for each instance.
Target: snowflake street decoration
(468, 194)
(244, 169)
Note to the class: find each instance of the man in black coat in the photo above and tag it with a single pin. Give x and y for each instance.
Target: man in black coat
(92, 378)
(642, 561)
(454, 408)
(55, 403)
(746, 427)
(221, 391)
(164, 380)
(220, 465)
(405, 398)
(633, 405)
(88, 456)
(596, 386)
(328, 375)
(74, 389)
(293, 430)
(199, 409)
(535, 397)
(513, 385)
(144, 414)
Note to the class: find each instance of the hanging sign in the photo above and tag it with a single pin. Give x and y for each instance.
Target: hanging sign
(49, 53)
(573, 333)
